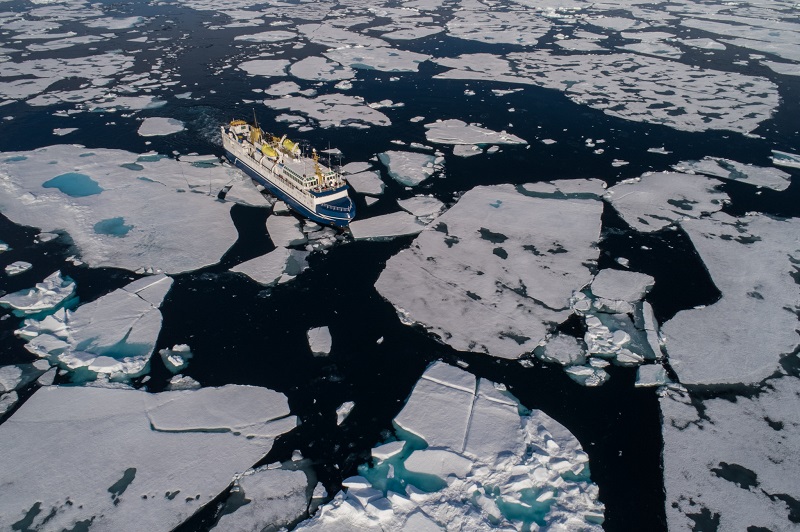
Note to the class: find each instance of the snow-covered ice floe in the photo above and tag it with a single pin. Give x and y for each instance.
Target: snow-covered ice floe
(114, 335)
(503, 263)
(176, 358)
(458, 132)
(746, 173)
(320, 341)
(17, 267)
(741, 337)
(657, 200)
(333, 110)
(782, 158)
(158, 126)
(55, 291)
(133, 457)
(408, 168)
(733, 462)
(470, 457)
(634, 87)
(125, 210)
(386, 226)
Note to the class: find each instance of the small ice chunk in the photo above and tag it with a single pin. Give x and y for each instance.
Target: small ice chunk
(782, 158)
(438, 462)
(177, 358)
(587, 375)
(319, 340)
(17, 267)
(343, 411)
(368, 182)
(285, 231)
(458, 132)
(10, 378)
(388, 450)
(422, 206)
(651, 375)
(7, 402)
(181, 382)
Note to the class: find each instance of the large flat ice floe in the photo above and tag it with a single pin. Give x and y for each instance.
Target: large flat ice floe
(496, 272)
(741, 337)
(734, 463)
(469, 458)
(120, 456)
(407, 167)
(657, 200)
(634, 87)
(125, 210)
(114, 335)
(746, 173)
(458, 132)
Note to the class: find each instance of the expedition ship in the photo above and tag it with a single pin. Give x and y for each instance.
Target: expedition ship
(308, 187)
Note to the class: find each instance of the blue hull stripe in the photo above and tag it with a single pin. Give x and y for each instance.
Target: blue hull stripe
(291, 202)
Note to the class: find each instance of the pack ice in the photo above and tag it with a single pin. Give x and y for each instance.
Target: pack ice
(469, 458)
(495, 272)
(52, 292)
(131, 456)
(124, 210)
(114, 335)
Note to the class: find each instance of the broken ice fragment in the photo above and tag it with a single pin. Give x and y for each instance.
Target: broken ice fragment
(408, 168)
(177, 358)
(157, 126)
(17, 267)
(651, 375)
(458, 132)
(386, 226)
(46, 296)
(343, 411)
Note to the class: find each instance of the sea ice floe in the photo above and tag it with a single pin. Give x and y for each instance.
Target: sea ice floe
(114, 335)
(50, 294)
(472, 459)
(423, 207)
(633, 87)
(319, 340)
(176, 358)
(17, 267)
(745, 173)
(343, 411)
(386, 226)
(732, 460)
(281, 264)
(378, 58)
(408, 168)
(158, 126)
(741, 337)
(516, 24)
(160, 205)
(267, 36)
(367, 182)
(563, 349)
(265, 67)
(458, 132)
(148, 476)
(782, 158)
(333, 110)
(651, 375)
(621, 286)
(657, 200)
(502, 263)
(266, 498)
(320, 69)
(285, 231)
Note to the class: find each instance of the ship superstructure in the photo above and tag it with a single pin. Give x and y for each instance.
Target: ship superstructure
(308, 187)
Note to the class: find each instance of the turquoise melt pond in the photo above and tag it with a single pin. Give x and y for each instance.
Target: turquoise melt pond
(74, 184)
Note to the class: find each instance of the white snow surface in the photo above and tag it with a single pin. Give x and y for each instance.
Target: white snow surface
(17, 267)
(279, 264)
(477, 438)
(154, 473)
(332, 110)
(457, 132)
(367, 182)
(425, 207)
(167, 210)
(114, 335)
(657, 200)
(503, 266)
(737, 460)
(741, 337)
